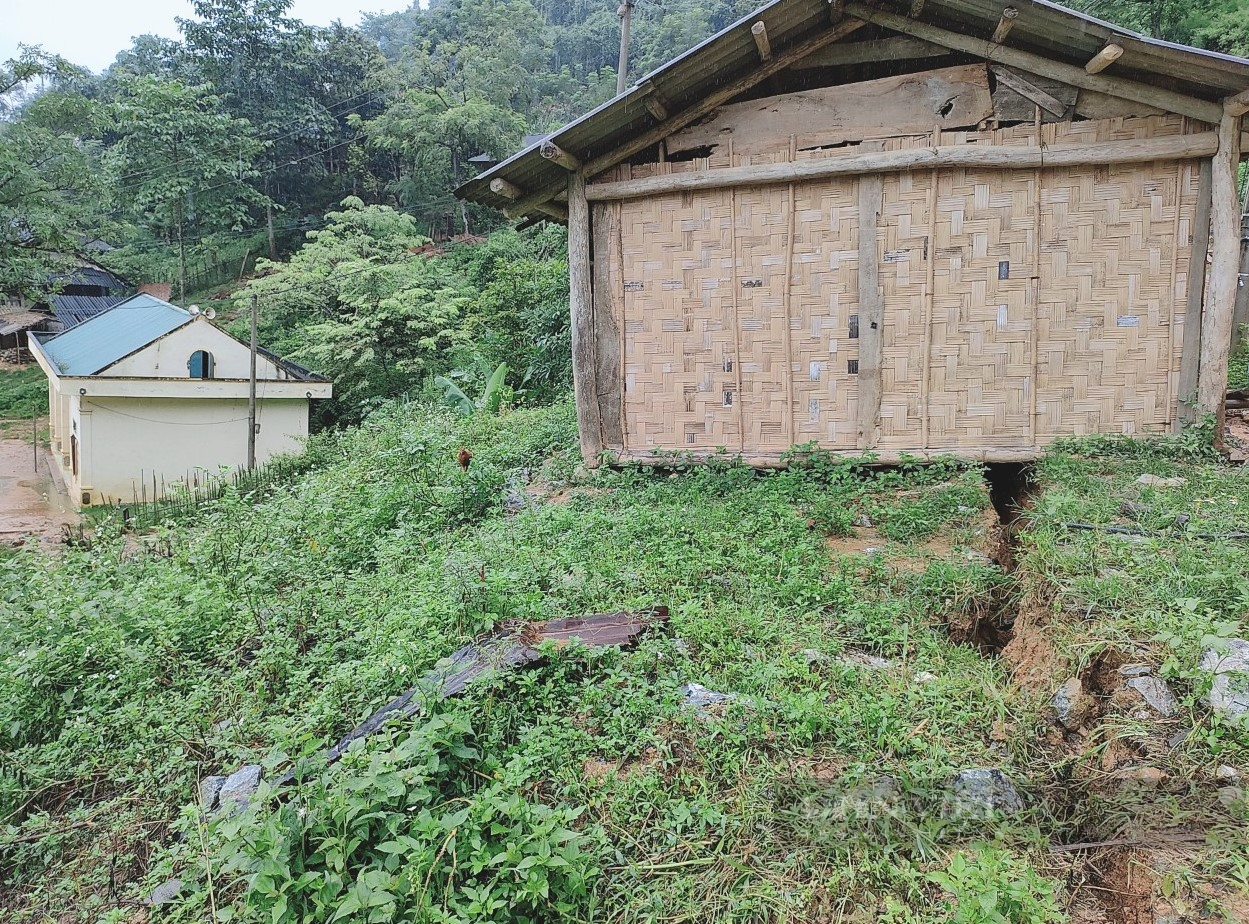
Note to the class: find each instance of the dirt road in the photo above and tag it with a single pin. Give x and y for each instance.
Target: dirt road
(30, 504)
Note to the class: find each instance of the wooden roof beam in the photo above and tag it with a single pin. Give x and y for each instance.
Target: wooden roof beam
(759, 32)
(836, 10)
(774, 65)
(501, 187)
(917, 7)
(554, 153)
(1004, 25)
(1237, 105)
(1104, 58)
(654, 102)
(1171, 101)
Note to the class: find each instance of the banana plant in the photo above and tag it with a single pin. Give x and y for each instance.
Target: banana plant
(491, 397)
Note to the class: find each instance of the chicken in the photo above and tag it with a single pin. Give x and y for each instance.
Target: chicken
(465, 458)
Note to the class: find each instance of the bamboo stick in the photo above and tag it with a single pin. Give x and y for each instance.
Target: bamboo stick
(1010, 157)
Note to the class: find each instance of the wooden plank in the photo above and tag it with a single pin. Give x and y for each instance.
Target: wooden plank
(1030, 91)
(1068, 73)
(954, 97)
(608, 321)
(1216, 316)
(657, 134)
(871, 310)
(1093, 105)
(930, 280)
(897, 48)
(581, 308)
(1190, 351)
(1007, 157)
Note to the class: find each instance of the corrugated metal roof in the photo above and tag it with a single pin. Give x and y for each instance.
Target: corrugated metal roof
(72, 310)
(87, 276)
(1041, 27)
(111, 335)
(11, 322)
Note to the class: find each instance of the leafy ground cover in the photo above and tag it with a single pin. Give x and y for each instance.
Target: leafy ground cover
(23, 396)
(872, 643)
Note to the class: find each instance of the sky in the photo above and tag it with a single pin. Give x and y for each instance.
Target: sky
(91, 33)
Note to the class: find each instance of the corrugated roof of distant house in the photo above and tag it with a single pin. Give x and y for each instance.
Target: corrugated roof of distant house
(98, 342)
(87, 276)
(11, 322)
(72, 310)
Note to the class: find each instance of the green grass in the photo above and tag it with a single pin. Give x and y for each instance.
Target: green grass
(23, 394)
(582, 789)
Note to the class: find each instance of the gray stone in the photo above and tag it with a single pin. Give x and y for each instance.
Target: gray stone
(1157, 481)
(1231, 796)
(1227, 773)
(814, 656)
(239, 787)
(1229, 691)
(1071, 704)
(166, 892)
(863, 521)
(210, 792)
(1178, 738)
(864, 660)
(1135, 670)
(926, 677)
(1156, 693)
(980, 792)
(701, 698)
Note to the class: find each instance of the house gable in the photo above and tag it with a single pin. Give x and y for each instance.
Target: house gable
(169, 356)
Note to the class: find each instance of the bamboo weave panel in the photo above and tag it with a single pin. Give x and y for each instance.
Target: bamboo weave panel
(1015, 358)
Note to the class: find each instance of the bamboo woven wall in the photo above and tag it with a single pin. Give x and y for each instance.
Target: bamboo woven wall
(1019, 305)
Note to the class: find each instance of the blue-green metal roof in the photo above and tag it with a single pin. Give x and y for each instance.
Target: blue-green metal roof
(98, 342)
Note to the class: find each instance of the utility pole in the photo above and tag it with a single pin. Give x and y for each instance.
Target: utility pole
(251, 398)
(625, 12)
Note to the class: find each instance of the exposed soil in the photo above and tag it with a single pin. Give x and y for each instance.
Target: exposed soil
(31, 506)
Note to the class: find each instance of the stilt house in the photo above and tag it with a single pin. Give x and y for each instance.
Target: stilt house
(934, 227)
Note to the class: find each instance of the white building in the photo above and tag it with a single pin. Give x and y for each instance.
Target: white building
(147, 392)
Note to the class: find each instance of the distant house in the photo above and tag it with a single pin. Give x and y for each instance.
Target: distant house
(146, 392)
(80, 292)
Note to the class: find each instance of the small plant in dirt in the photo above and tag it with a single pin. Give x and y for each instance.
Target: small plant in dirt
(989, 885)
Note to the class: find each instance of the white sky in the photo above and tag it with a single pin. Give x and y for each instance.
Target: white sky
(91, 33)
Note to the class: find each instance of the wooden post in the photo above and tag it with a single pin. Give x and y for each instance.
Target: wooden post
(1240, 317)
(1190, 348)
(871, 310)
(930, 281)
(622, 67)
(581, 309)
(1004, 25)
(608, 322)
(251, 395)
(759, 32)
(1216, 322)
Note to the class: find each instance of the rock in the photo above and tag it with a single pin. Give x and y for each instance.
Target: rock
(864, 660)
(210, 792)
(1157, 481)
(1178, 738)
(1229, 692)
(1148, 777)
(699, 697)
(1231, 796)
(239, 787)
(980, 792)
(925, 677)
(979, 558)
(814, 656)
(870, 799)
(1135, 670)
(1226, 773)
(1156, 693)
(166, 892)
(220, 728)
(1072, 704)
(1132, 510)
(863, 521)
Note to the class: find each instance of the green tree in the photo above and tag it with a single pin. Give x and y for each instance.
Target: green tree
(180, 165)
(48, 176)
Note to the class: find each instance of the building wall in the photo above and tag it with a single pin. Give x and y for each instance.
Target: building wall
(168, 356)
(1019, 305)
(125, 442)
